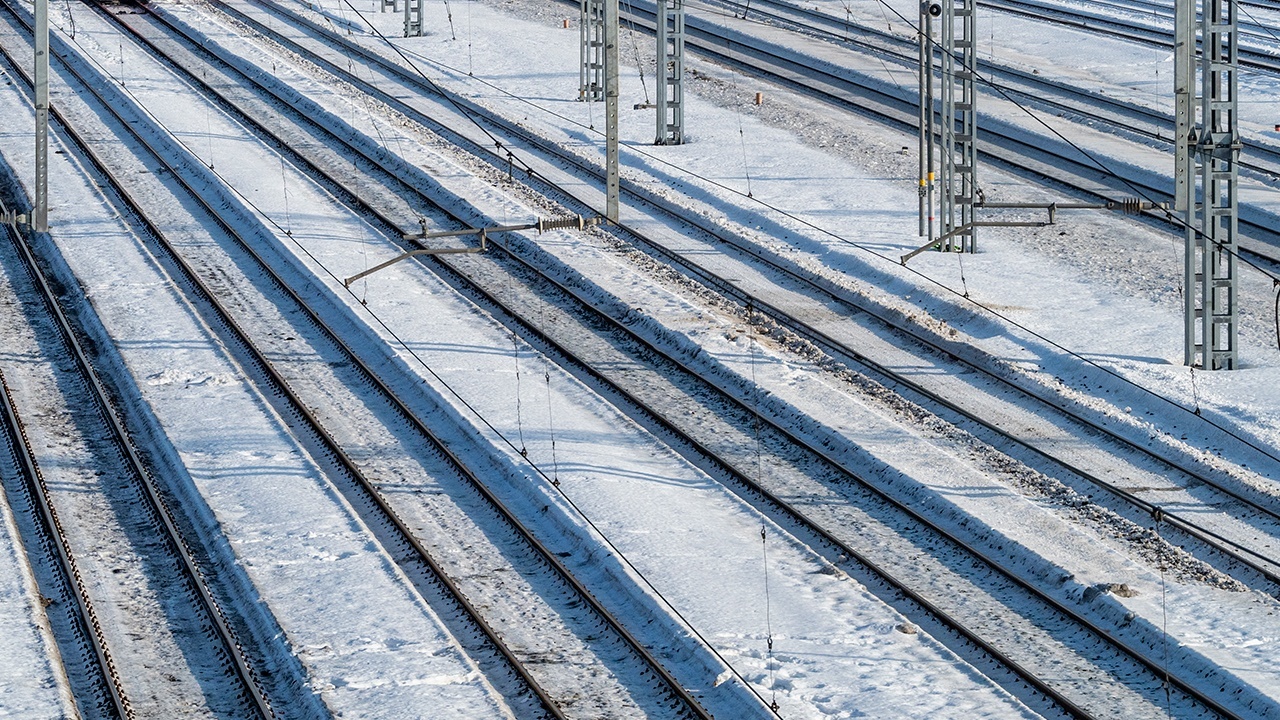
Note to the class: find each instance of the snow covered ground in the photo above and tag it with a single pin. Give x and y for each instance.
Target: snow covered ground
(836, 195)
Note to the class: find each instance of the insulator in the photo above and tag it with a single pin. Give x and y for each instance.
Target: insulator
(576, 222)
(1131, 206)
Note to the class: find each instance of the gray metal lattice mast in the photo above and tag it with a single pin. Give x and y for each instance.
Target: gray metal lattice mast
(611, 108)
(1212, 211)
(591, 73)
(413, 25)
(959, 126)
(670, 100)
(40, 213)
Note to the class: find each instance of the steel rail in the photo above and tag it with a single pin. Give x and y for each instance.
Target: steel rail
(1251, 30)
(550, 558)
(790, 511)
(1261, 239)
(825, 288)
(157, 504)
(1214, 540)
(1267, 508)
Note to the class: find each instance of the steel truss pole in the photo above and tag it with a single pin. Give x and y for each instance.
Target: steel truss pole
(591, 73)
(1212, 210)
(40, 213)
(670, 99)
(413, 25)
(959, 126)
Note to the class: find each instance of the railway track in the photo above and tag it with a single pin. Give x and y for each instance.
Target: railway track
(602, 626)
(645, 409)
(969, 360)
(102, 683)
(1125, 117)
(1162, 37)
(1264, 563)
(190, 588)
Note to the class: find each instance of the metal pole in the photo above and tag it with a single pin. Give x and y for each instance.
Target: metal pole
(611, 108)
(1184, 76)
(1184, 186)
(1210, 198)
(958, 228)
(1219, 152)
(927, 11)
(40, 213)
(413, 24)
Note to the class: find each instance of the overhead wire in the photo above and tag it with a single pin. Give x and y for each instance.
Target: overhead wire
(553, 479)
(447, 96)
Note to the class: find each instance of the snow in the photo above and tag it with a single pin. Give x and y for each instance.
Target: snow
(833, 196)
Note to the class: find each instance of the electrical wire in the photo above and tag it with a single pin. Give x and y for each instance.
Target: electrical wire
(448, 97)
(465, 403)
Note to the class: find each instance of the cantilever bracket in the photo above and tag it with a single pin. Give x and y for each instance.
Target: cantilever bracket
(542, 225)
(1130, 206)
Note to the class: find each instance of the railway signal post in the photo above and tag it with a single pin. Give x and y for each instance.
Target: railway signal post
(1206, 179)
